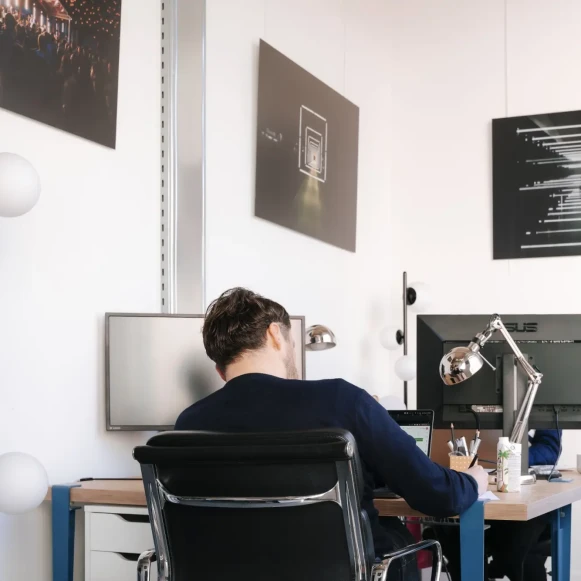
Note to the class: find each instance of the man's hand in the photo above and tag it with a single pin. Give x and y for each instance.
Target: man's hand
(481, 477)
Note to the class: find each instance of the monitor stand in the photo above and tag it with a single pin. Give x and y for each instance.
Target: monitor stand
(514, 387)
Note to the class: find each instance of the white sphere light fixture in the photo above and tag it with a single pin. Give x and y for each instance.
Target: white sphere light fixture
(390, 338)
(423, 298)
(23, 483)
(23, 479)
(417, 297)
(19, 185)
(405, 367)
(392, 402)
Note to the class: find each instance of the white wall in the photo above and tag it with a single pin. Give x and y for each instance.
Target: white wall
(91, 245)
(428, 78)
(457, 65)
(345, 45)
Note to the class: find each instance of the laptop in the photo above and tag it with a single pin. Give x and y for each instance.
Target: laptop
(419, 424)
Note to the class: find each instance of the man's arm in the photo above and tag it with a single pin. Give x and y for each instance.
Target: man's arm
(394, 456)
(545, 447)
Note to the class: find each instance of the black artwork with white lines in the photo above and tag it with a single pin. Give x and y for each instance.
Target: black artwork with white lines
(537, 185)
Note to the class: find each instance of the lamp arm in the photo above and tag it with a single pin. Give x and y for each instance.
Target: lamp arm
(524, 412)
(534, 376)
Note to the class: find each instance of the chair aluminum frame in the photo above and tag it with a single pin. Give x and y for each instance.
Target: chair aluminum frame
(344, 496)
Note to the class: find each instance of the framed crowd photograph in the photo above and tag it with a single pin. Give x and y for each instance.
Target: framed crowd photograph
(59, 64)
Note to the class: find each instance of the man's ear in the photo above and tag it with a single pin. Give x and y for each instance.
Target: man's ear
(274, 334)
(221, 373)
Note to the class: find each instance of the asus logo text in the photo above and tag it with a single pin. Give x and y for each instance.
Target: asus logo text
(522, 327)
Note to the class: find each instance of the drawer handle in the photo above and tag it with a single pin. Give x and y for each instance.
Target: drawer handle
(133, 557)
(140, 518)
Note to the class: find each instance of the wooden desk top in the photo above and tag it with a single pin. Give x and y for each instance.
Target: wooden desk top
(531, 502)
(110, 492)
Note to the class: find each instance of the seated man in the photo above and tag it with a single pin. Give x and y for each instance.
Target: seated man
(249, 339)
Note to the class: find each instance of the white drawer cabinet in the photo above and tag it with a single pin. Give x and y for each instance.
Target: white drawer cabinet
(119, 533)
(115, 536)
(114, 567)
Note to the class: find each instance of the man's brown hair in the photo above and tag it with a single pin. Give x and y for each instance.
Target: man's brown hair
(237, 322)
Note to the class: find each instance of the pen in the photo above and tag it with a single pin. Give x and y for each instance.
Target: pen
(451, 446)
(475, 439)
(474, 460)
(452, 432)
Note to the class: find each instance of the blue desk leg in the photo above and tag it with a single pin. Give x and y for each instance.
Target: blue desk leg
(561, 544)
(63, 533)
(472, 543)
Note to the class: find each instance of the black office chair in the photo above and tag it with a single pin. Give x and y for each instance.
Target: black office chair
(259, 507)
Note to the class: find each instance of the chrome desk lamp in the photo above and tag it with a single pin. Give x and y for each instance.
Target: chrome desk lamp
(319, 338)
(462, 363)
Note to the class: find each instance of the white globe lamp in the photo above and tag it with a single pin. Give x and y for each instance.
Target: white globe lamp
(391, 402)
(405, 367)
(23, 483)
(423, 298)
(19, 185)
(390, 338)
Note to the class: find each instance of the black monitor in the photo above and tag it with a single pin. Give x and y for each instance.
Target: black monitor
(552, 343)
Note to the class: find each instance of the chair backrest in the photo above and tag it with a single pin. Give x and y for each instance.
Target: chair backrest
(256, 507)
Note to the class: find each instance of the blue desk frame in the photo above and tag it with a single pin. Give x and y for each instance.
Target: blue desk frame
(63, 533)
(471, 539)
(472, 543)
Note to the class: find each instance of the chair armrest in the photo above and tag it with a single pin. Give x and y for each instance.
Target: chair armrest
(144, 565)
(379, 571)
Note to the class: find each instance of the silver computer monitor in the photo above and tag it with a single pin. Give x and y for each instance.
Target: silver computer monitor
(156, 366)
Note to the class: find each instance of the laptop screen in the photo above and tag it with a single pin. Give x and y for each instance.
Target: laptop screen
(418, 424)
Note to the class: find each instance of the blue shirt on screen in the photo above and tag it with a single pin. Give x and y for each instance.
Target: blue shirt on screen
(545, 447)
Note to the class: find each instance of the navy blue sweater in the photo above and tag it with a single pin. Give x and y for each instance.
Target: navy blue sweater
(545, 447)
(389, 456)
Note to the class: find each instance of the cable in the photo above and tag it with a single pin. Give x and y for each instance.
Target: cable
(556, 412)
(476, 417)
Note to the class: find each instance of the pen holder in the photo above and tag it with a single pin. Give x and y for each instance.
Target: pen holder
(460, 463)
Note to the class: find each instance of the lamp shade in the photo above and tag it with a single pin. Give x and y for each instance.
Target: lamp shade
(19, 185)
(405, 367)
(423, 297)
(390, 338)
(459, 365)
(23, 483)
(319, 338)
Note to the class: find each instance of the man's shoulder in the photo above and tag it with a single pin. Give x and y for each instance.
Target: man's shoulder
(337, 386)
(194, 411)
(182, 421)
